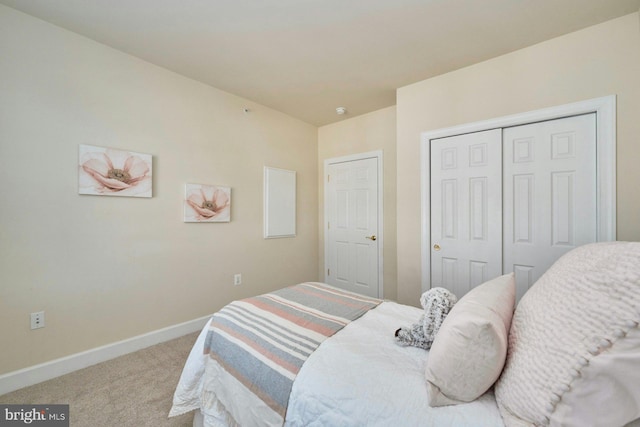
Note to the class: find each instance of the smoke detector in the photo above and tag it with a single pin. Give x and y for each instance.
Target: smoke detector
(341, 110)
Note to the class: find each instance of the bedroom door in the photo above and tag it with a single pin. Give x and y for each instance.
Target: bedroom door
(352, 237)
(466, 210)
(549, 194)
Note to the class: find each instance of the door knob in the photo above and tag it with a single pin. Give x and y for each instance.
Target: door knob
(436, 247)
(371, 237)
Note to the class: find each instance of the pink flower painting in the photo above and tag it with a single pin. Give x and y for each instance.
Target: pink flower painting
(207, 203)
(109, 172)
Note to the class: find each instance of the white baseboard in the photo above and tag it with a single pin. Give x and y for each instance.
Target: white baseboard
(45, 371)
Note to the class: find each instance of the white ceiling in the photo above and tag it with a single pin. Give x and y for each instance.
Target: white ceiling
(307, 57)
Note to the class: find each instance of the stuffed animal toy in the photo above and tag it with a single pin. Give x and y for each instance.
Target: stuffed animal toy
(437, 303)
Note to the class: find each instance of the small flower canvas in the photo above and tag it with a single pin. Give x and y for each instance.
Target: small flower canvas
(207, 203)
(109, 172)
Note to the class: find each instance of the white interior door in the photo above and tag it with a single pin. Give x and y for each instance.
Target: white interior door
(466, 210)
(570, 192)
(352, 226)
(549, 193)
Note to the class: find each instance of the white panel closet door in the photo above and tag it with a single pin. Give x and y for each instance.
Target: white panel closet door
(549, 194)
(466, 210)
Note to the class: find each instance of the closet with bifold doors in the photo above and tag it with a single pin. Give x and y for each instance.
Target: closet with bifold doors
(509, 199)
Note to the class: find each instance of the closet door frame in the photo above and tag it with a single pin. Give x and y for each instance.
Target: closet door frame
(605, 109)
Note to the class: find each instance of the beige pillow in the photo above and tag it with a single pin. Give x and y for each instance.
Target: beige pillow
(469, 351)
(574, 344)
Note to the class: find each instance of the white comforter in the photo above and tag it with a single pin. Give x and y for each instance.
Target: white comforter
(358, 377)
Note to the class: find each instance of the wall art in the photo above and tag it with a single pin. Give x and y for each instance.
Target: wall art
(110, 172)
(207, 203)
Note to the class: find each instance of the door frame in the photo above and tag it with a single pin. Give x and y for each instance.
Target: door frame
(605, 109)
(380, 235)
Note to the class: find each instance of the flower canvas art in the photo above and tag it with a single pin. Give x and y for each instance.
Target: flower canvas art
(109, 172)
(207, 203)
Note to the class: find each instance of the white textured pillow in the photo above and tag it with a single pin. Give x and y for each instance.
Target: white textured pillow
(574, 344)
(469, 351)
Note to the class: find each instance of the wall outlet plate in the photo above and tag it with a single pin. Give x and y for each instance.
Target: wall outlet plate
(37, 320)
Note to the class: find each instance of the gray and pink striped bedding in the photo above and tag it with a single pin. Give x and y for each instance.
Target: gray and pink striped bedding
(263, 341)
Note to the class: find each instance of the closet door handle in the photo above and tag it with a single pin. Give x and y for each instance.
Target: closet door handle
(436, 247)
(371, 237)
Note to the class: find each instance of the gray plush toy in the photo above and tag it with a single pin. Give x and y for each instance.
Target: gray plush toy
(437, 303)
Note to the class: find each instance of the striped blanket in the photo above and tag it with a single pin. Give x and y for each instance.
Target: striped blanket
(257, 346)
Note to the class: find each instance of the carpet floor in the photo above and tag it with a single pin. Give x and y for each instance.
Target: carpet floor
(132, 390)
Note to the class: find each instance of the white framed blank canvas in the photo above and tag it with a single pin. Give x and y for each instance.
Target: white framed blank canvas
(279, 203)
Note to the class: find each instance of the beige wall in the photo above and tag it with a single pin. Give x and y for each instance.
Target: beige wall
(109, 268)
(369, 132)
(598, 61)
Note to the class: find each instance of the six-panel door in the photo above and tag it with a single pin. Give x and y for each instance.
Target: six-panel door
(466, 210)
(353, 226)
(511, 200)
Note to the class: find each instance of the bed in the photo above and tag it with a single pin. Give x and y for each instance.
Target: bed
(570, 349)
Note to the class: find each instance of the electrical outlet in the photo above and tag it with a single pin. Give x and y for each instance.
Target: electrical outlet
(37, 320)
(237, 279)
